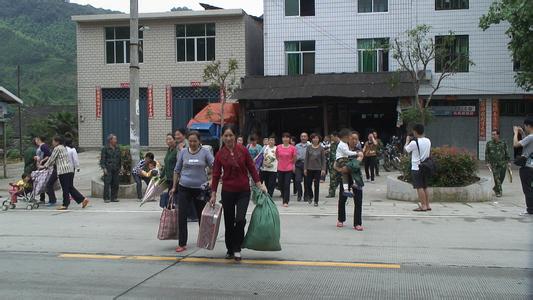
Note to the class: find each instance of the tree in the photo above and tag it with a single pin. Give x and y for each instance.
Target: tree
(414, 52)
(519, 15)
(223, 80)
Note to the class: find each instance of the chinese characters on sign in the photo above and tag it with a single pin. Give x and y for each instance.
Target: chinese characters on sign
(495, 114)
(168, 98)
(98, 102)
(482, 120)
(464, 110)
(150, 100)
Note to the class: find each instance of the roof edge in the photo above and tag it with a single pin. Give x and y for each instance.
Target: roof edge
(10, 95)
(160, 15)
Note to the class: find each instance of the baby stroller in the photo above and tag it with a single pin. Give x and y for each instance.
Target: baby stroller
(40, 179)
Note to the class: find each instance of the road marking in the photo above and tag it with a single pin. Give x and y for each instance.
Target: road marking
(226, 261)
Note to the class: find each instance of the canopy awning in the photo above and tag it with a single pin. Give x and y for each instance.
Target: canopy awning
(344, 85)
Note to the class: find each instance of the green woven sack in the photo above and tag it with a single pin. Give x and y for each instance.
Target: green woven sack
(264, 230)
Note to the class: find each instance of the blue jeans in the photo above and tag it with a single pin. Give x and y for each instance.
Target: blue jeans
(138, 180)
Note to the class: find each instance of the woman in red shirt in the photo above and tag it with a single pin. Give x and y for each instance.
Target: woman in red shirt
(286, 155)
(235, 163)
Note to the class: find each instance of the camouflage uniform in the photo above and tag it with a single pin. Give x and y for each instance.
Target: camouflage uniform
(334, 176)
(110, 162)
(497, 157)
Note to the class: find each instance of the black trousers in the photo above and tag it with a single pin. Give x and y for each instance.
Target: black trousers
(111, 185)
(313, 176)
(299, 178)
(269, 178)
(50, 189)
(235, 205)
(357, 209)
(526, 177)
(370, 165)
(67, 185)
(284, 180)
(187, 197)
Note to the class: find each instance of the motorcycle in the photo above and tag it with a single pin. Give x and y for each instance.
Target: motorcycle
(391, 155)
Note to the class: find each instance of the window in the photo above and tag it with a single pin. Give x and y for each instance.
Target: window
(368, 6)
(117, 45)
(516, 108)
(451, 4)
(195, 42)
(300, 57)
(516, 66)
(299, 8)
(451, 53)
(373, 55)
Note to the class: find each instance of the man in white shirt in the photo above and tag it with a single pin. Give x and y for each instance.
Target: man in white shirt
(526, 172)
(420, 148)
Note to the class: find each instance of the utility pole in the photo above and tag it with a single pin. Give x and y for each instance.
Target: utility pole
(20, 114)
(134, 82)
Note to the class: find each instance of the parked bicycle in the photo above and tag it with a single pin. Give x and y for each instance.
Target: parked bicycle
(391, 155)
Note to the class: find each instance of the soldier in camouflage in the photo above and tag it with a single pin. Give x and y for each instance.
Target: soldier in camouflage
(110, 162)
(497, 158)
(334, 176)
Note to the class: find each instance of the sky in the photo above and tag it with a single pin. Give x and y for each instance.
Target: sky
(252, 7)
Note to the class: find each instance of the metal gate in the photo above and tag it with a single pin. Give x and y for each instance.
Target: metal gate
(188, 101)
(116, 115)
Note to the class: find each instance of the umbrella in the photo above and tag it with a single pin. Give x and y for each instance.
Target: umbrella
(155, 188)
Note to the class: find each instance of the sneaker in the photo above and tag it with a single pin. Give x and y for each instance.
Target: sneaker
(285, 205)
(115, 200)
(62, 207)
(339, 224)
(358, 228)
(238, 256)
(372, 181)
(347, 194)
(525, 214)
(181, 249)
(107, 201)
(499, 195)
(229, 256)
(316, 204)
(299, 199)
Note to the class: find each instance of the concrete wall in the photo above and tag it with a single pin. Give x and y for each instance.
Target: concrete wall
(337, 25)
(159, 68)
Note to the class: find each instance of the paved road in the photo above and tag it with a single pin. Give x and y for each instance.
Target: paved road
(458, 251)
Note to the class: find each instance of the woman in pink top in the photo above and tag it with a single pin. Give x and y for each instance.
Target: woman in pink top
(286, 155)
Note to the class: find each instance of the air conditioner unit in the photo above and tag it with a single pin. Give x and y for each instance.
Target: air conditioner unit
(427, 75)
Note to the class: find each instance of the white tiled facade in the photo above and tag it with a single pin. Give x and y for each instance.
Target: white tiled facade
(337, 25)
(238, 37)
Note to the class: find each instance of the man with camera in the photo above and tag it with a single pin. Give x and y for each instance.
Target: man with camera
(420, 148)
(525, 161)
(497, 158)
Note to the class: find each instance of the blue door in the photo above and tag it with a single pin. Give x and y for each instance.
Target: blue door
(188, 101)
(116, 115)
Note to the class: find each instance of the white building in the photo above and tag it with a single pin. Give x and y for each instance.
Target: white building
(306, 37)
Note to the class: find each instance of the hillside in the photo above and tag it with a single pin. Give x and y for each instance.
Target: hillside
(39, 36)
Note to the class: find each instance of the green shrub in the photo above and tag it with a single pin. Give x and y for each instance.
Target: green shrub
(125, 171)
(455, 167)
(13, 154)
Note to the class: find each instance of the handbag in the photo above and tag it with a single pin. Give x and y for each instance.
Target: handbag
(168, 223)
(428, 165)
(523, 161)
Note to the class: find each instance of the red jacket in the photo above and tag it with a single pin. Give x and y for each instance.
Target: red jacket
(235, 169)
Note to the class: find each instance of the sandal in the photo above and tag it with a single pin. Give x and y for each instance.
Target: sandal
(181, 249)
(420, 209)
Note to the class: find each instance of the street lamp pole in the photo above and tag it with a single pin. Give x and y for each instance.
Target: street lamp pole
(20, 114)
(134, 82)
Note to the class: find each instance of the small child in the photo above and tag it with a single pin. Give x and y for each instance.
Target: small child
(342, 157)
(21, 186)
(152, 170)
(353, 167)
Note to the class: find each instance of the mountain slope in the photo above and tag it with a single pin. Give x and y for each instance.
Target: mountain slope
(39, 36)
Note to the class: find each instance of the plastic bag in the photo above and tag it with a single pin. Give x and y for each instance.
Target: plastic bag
(264, 230)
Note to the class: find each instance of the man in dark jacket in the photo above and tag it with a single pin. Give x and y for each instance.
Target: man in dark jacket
(110, 162)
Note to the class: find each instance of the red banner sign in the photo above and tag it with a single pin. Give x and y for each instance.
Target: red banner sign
(125, 85)
(150, 100)
(495, 114)
(168, 98)
(483, 120)
(98, 102)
